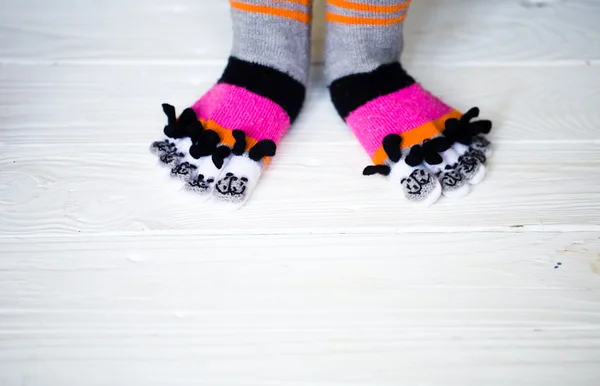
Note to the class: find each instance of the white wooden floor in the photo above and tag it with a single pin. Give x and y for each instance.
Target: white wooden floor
(325, 277)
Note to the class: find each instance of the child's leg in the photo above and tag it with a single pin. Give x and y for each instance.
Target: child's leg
(415, 139)
(221, 144)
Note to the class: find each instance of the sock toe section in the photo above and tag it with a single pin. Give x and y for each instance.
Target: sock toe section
(183, 170)
(202, 183)
(253, 98)
(454, 184)
(169, 160)
(165, 145)
(478, 176)
(237, 180)
(456, 193)
(418, 185)
(432, 198)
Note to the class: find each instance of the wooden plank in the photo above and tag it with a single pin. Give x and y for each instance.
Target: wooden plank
(338, 272)
(537, 32)
(438, 31)
(91, 105)
(326, 278)
(368, 309)
(65, 189)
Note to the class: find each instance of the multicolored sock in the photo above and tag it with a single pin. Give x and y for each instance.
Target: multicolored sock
(416, 140)
(222, 143)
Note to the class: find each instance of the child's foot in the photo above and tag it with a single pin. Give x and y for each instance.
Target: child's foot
(221, 144)
(177, 136)
(414, 139)
(231, 132)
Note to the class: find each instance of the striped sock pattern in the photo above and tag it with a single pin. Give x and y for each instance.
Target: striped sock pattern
(274, 33)
(220, 145)
(413, 138)
(362, 35)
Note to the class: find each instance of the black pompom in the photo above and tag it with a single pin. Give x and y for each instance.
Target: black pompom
(211, 137)
(391, 145)
(206, 145)
(376, 169)
(440, 144)
(195, 130)
(195, 151)
(187, 117)
(432, 148)
(172, 132)
(264, 148)
(455, 132)
(463, 130)
(433, 158)
(482, 127)
(170, 113)
(219, 155)
(240, 142)
(451, 124)
(178, 128)
(472, 113)
(415, 156)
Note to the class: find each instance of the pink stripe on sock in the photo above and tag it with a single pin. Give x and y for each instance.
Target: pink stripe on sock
(234, 107)
(394, 113)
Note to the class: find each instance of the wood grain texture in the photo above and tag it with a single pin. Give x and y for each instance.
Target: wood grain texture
(442, 31)
(91, 189)
(363, 309)
(121, 104)
(109, 276)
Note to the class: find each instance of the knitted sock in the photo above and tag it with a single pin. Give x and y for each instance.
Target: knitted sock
(415, 139)
(220, 145)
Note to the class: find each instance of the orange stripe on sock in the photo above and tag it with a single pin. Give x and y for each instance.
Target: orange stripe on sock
(273, 11)
(417, 135)
(368, 7)
(335, 18)
(301, 2)
(440, 123)
(226, 136)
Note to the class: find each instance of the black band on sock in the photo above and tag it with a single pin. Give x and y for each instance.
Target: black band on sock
(352, 91)
(268, 82)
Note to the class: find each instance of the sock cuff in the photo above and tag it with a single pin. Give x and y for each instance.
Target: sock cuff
(298, 10)
(368, 13)
(267, 82)
(352, 91)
